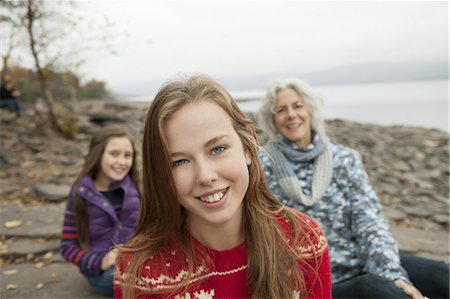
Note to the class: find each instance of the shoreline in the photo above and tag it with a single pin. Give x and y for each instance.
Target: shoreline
(356, 112)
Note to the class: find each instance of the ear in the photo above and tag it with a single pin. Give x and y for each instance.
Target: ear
(248, 157)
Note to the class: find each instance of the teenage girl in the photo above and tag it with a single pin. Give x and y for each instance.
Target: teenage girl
(209, 226)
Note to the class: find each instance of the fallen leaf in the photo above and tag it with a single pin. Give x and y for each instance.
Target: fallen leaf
(13, 223)
(10, 272)
(430, 143)
(11, 286)
(39, 265)
(48, 255)
(3, 248)
(39, 285)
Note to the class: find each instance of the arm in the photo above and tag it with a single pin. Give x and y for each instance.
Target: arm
(15, 93)
(322, 287)
(70, 248)
(317, 277)
(377, 248)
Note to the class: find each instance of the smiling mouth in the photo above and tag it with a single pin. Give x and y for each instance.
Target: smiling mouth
(213, 197)
(291, 126)
(119, 171)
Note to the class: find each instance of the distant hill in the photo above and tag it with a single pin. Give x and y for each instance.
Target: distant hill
(380, 72)
(350, 74)
(347, 74)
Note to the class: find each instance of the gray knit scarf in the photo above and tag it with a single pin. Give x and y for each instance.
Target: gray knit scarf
(283, 153)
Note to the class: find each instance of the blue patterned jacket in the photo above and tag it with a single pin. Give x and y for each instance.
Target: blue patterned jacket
(350, 214)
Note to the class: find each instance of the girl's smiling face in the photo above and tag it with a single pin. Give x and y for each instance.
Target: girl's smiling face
(116, 162)
(209, 165)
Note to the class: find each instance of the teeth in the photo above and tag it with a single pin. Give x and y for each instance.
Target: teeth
(213, 197)
(293, 126)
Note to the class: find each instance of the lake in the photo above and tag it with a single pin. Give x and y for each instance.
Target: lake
(411, 103)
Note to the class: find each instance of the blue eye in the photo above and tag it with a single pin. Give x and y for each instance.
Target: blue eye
(179, 162)
(217, 150)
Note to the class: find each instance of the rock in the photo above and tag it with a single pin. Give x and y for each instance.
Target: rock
(441, 218)
(22, 247)
(9, 189)
(416, 211)
(6, 116)
(53, 192)
(393, 214)
(117, 106)
(414, 240)
(5, 160)
(59, 280)
(104, 118)
(38, 221)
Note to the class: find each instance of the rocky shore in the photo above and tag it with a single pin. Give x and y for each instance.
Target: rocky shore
(407, 166)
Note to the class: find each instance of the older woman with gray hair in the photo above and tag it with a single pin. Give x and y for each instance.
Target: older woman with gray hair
(328, 182)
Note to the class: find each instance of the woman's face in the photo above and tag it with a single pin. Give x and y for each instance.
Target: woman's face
(292, 118)
(116, 162)
(209, 165)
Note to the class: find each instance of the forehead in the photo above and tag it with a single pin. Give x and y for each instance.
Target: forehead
(287, 96)
(196, 123)
(118, 142)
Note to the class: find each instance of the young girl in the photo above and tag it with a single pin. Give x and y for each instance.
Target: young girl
(103, 207)
(209, 226)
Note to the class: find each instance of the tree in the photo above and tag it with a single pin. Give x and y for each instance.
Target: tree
(10, 36)
(53, 39)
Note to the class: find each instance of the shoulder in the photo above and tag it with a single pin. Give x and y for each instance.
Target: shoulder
(163, 270)
(84, 186)
(343, 151)
(264, 155)
(344, 156)
(303, 232)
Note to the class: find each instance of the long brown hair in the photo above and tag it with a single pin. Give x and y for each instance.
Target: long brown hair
(91, 167)
(271, 257)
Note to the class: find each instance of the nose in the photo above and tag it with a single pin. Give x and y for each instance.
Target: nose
(205, 173)
(290, 112)
(122, 160)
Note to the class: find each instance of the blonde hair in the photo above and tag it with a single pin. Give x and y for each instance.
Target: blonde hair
(270, 257)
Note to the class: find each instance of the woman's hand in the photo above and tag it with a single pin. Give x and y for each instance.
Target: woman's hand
(109, 259)
(409, 290)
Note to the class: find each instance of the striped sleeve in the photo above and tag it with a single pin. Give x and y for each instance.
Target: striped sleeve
(70, 248)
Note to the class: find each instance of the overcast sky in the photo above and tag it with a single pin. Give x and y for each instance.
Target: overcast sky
(158, 40)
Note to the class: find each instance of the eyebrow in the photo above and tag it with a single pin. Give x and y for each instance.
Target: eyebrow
(296, 102)
(206, 144)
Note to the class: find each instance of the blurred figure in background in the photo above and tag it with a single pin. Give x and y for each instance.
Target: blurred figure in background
(329, 183)
(9, 96)
(103, 207)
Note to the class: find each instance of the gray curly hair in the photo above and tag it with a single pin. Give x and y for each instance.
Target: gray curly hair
(312, 99)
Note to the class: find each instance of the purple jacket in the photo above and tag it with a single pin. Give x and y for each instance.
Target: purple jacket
(105, 230)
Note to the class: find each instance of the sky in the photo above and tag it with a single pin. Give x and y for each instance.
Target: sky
(156, 41)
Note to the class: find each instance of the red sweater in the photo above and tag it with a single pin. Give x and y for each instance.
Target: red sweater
(225, 277)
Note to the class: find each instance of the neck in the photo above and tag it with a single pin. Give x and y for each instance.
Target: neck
(305, 141)
(219, 237)
(102, 184)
